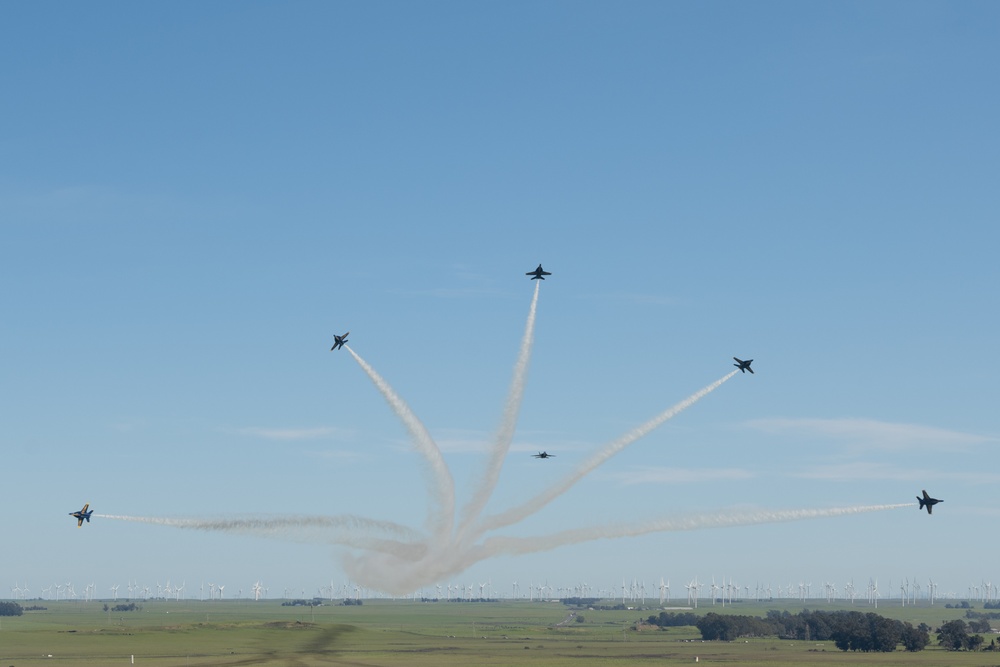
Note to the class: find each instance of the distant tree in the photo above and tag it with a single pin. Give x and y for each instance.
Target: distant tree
(886, 633)
(954, 635)
(729, 627)
(10, 609)
(855, 631)
(850, 633)
(671, 620)
(915, 638)
(981, 625)
(579, 619)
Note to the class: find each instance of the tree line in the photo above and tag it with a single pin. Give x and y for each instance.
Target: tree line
(849, 630)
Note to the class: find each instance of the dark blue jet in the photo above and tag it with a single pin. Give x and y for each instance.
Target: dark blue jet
(744, 366)
(338, 341)
(928, 502)
(544, 455)
(538, 273)
(81, 515)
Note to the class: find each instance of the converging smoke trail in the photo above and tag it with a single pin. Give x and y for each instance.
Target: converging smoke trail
(505, 433)
(442, 486)
(515, 546)
(541, 500)
(398, 573)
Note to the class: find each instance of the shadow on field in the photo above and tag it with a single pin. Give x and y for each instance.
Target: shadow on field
(321, 644)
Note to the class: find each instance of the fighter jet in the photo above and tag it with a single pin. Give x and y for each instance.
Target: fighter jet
(538, 273)
(928, 502)
(81, 515)
(744, 366)
(338, 341)
(544, 455)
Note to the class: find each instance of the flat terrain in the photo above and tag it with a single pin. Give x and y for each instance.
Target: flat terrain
(405, 632)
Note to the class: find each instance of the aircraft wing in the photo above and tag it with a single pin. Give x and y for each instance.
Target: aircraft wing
(84, 510)
(79, 522)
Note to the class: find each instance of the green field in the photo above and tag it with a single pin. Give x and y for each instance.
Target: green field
(412, 633)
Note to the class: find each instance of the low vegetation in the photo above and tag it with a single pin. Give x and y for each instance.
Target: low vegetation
(381, 633)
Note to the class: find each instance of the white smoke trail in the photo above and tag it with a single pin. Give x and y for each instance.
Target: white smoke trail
(324, 529)
(442, 486)
(505, 433)
(495, 546)
(533, 505)
(273, 523)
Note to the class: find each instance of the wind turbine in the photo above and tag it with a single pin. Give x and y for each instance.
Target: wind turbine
(692, 589)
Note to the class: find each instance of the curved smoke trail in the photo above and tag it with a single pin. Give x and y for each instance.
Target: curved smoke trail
(442, 486)
(533, 505)
(505, 433)
(495, 546)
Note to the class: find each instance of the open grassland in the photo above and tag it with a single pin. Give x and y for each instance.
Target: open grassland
(417, 634)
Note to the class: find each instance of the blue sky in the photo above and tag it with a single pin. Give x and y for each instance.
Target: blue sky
(194, 198)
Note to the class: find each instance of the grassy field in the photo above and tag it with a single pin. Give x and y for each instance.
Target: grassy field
(419, 634)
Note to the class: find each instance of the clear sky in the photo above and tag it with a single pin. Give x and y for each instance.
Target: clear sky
(195, 197)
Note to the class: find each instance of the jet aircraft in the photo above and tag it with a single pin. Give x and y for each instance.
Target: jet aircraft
(928, 502)
(81, 515)
(744, 366)
(538, 273)
(338, 341)
(544, 455)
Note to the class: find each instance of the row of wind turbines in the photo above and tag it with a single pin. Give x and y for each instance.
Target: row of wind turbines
(910, 592)
(67, 591)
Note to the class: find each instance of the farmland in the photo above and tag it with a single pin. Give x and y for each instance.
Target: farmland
(409, 632)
